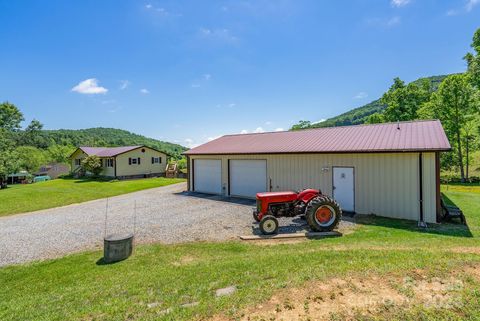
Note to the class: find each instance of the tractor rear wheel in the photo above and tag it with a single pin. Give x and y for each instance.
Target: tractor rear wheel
(323, 213)
(269, 225)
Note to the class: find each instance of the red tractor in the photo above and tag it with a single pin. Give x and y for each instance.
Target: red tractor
(322, 212)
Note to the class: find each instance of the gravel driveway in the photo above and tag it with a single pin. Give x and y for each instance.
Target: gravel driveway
(165, 214)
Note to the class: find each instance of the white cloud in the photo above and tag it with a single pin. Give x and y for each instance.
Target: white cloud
(452, 12)
(279, 129)
(268, 123)
(222, 35)
(361, 95)
(89, 87)
(144, 91)
(115, 109)
(124, 84)
(471, 4)
(468, 7)
(244, 131)
(213, 138)
(259, 130)
(197, 83)
(393, 21)
(161, 11)
(399, 3)
(190, 143)
(319, 121)
(230, 105)
(383, 22)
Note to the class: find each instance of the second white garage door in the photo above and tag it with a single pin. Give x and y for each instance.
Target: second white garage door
(207, 176)
(248, 177)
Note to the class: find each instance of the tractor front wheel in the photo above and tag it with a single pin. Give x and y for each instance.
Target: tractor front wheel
(269, 225)
(323, 214)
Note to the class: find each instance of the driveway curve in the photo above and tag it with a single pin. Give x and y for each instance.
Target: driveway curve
(165, 214)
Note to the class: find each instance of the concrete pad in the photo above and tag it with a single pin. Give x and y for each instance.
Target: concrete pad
(290, 236)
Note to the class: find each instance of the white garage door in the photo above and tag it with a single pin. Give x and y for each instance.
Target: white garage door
(248, 177)
(207, 176)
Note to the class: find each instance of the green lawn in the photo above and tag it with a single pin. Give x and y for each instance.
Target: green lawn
(60, 192)
(158, 279)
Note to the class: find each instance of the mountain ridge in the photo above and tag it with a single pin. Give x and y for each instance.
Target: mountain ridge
(359, 115)
(108, 137)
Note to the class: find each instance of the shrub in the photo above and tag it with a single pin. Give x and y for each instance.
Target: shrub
(92, 164)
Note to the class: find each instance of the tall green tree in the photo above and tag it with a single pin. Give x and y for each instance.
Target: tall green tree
(302, 125)
(375, 118)
(30, 158)
(454, 104)
(32, 135)
(60, 153)
(10, 117)
(403, 101)
(8, 163)
(473, 60)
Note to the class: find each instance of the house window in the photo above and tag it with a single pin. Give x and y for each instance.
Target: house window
(109, 162)
(134, 161)
(78, 162)
(156, 160)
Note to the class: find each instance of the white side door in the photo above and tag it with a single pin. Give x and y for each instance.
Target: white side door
(207, 176)
(248, 177)
(344, 188)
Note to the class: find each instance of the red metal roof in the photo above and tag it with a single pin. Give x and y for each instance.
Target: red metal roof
(427, 135)
(107, 151)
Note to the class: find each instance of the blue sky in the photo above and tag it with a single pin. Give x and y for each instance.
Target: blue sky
(189, 71)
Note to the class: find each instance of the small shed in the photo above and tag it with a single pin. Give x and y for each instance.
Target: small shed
(390, 169)
(20, 177)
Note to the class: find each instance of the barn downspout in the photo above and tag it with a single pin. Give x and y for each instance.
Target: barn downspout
(421, 221)
(189, 180)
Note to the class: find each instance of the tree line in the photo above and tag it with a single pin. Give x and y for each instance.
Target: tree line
(23, 149)
(453, 99)
(456, 104)
(30, 147)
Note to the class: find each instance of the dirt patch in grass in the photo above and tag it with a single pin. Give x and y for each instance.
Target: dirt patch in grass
(353, 296)
(186, 260)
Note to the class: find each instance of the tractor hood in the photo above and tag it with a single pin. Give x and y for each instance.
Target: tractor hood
(274, 197)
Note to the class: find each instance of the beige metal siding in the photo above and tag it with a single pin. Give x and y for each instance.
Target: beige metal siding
(145, 167)
(429, 192)
(386, 184)
(78, 154)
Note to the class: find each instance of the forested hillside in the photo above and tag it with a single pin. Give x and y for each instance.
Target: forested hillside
(30, 147)
(107, 137)
(453, 99)
(360, 114)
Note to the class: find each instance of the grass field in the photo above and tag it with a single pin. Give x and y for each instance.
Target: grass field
(391, 257)
(474, 168)
(60, 192)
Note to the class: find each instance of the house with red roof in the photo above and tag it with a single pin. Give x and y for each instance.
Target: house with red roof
(390, 169)
(123, 162)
